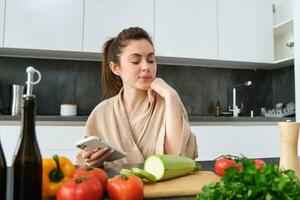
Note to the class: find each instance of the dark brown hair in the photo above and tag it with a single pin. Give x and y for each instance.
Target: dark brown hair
(111, 83)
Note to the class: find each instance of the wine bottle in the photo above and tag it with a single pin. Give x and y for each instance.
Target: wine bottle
(27, 163)
(2, 175)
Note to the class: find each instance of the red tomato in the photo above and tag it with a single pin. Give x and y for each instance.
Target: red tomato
(260, 164)
(223, 163)
(125, 188)
(96, 172)
(82, 188)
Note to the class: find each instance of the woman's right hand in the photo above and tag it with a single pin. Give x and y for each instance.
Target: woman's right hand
(96, 157)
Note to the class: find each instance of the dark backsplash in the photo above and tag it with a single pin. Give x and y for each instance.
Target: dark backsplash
(78, 82)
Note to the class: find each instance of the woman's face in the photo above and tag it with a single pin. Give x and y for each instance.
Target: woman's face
(137, 64)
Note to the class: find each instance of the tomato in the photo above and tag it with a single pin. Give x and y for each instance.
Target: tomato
(125, 188)
(82, 188)
(96, 172)
(260, 164)
(222, 164)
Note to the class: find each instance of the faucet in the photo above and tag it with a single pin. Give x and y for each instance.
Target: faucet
(236, 110)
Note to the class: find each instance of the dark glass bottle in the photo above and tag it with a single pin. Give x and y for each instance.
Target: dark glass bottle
(2, 175)
(27, 164)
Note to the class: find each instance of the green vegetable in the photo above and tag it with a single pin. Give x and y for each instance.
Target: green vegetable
(169, 166)
(126, 172)
(143, 174)
(253, 184)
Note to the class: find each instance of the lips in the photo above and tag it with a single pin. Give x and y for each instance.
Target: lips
(146, 77)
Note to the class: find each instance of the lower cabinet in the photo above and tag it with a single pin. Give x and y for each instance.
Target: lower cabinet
(213, 141)
(52, 140)
(250, 141)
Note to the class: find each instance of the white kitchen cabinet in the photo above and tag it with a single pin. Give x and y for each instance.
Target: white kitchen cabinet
(44, 24)
(186, 29)
(283, 11)
(213, 141)
(52, 140)
(256, 141)
(250, 141)
(104, 19)
(245, 30)
(2, 8)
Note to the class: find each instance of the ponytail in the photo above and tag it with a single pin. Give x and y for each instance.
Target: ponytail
(111, 83)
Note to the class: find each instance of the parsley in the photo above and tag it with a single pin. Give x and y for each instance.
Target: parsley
(252, 183)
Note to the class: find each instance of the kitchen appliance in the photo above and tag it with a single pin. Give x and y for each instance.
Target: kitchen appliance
(16, 102)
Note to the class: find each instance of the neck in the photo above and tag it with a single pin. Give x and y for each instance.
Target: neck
(132, 97)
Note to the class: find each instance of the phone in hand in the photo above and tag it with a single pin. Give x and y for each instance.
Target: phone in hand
(93, 142)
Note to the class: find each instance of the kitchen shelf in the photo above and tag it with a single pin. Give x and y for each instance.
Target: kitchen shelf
(284, 62)
(283, 27)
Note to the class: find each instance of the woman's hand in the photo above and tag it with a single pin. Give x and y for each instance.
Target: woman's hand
(96, 157)
(159, 86)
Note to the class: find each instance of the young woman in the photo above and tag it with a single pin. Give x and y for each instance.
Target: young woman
(145, 116)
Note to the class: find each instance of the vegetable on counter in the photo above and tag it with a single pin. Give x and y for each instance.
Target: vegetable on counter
(228, 161)
(253, 183)
(124, 187)
(56, 170)
(82, 188)
(169, 166)
(100, 174)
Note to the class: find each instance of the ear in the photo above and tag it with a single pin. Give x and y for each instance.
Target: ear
(114, 68)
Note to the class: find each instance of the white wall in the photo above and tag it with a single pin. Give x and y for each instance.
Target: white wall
(297, 56)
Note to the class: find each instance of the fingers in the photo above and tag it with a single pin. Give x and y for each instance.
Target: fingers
(87, 153)
(151, 95)
(98, 161)
(98, 153)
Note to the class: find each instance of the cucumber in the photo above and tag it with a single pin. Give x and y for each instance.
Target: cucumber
(127, 172)
(143, 174)
(169, 166)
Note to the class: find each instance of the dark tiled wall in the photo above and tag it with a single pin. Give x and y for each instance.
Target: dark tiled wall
(65, 81)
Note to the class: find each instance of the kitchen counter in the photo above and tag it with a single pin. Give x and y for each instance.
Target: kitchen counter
(205, 166)
(194, 120)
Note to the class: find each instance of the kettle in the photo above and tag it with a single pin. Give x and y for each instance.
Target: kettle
(289, 136)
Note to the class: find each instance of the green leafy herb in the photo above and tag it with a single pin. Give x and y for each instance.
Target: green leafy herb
(252, 183)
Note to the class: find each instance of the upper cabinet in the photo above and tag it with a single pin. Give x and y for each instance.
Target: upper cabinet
(104, 19)
(283, 11)
(245, 30)
(2, 5)
(44, 24)
(283, 31)
(186, 29)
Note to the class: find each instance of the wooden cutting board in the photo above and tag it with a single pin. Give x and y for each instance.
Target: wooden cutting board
(188, 185)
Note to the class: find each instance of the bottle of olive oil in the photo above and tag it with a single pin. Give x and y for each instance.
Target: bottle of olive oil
(27, 163)
(2, 174)
(218, 109)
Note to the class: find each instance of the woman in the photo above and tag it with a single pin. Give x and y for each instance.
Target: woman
(145, 116)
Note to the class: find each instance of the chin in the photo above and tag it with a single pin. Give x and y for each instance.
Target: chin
(143, 87)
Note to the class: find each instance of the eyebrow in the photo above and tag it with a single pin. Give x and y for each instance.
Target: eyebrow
(139, 55)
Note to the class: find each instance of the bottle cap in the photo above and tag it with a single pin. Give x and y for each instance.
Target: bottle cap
(30, 73)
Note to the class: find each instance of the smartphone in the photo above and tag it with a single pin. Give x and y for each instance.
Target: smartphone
(93, 142)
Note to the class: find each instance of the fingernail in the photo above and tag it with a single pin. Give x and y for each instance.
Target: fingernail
(112, 150)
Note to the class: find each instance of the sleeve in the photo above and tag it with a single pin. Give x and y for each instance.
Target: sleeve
(91, 128)
(188, 146)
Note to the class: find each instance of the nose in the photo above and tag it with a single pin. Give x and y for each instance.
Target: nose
(145, 66)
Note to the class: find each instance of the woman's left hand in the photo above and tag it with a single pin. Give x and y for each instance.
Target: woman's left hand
(159, 86)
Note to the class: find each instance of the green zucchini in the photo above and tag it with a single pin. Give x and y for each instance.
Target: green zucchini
(143, 174)
(169, 166)
(126, 172)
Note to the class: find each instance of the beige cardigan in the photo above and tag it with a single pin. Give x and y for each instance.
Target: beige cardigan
(139, 135)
